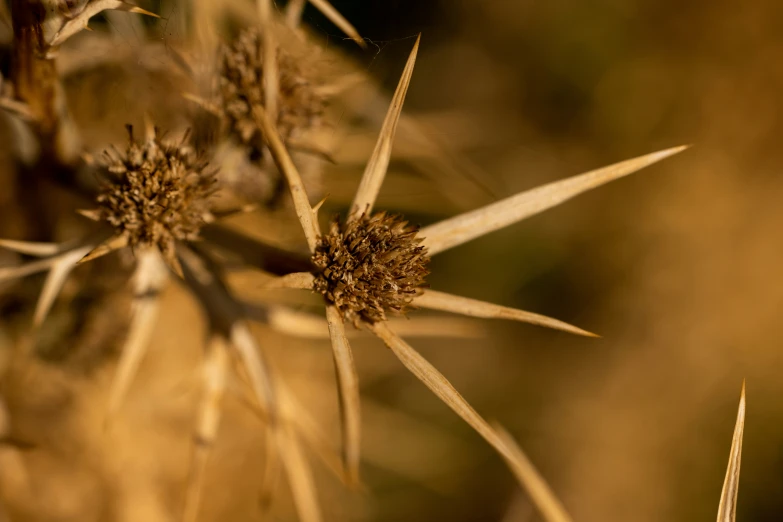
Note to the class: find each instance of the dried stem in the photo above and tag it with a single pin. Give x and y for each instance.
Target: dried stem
(348, 392)
(270, 73)
(304, 211)
(149, 278)
(33, 74)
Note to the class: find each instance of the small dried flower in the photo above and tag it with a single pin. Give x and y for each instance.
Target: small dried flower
(370, 266)
(242, 87)
(157, 193)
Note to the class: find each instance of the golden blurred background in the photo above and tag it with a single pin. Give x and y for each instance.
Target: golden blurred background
(675, 267)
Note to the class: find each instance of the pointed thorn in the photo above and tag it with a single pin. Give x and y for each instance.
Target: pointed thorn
(175, 266)
(110, 245)
(318, 205)
(94, 214)
(149, 127)
(55, 280)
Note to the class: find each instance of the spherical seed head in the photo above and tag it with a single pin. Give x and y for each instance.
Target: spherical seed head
(241, 88)
(370, 266)
(156, 193)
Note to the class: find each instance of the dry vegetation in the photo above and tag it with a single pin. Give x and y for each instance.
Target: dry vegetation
(209, 218)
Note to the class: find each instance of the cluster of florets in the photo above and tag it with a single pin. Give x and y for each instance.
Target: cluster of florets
(241, 88)
(155, 193)
(370, 266)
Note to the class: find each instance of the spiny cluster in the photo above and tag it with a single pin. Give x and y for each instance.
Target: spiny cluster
(157, 193)
(242, 88)
(370, 266)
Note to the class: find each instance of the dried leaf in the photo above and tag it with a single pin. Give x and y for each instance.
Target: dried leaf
(312, 326)
(80, 21)
(39, 265)
(108, 246)
(545, 500)
(474, 308)
(33, 267)
(339, 20)
(55, 280)
(372, 179)
(148, 280)
(727, 509)
(440, 386)
(209, 412)
(31, 248)
(286, 165)
(348, 392)
(470, 225)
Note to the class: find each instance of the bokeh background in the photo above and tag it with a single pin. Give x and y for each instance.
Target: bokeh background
(676, 267)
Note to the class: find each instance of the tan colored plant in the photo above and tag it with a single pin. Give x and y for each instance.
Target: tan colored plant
(351, 295)
(157, 202)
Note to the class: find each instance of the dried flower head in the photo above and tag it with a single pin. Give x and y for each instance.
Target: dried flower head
(241, 88)
(370, 266)
(157, 193)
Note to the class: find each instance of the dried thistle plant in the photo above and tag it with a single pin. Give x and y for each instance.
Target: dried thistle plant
(368, 267)
(358, 300)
